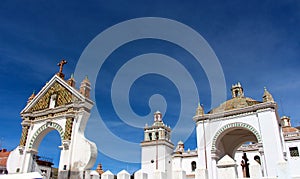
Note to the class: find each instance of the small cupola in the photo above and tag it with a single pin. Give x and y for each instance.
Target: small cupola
(157, 116)
(285, 121)
(180, 147)
(237, 90)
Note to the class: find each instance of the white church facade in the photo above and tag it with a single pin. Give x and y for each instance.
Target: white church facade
(242, 138)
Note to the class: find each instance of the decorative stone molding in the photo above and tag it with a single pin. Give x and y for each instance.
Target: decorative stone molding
(66, 144)
(235, 112)
(235, 125)
(44, 127)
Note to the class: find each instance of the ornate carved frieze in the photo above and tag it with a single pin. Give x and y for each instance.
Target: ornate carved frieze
(44, 127)
(62, 97)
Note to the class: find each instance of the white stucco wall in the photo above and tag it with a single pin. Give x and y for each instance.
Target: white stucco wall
(164, 159)
(294, 162)
(238, 159)
(263, 121)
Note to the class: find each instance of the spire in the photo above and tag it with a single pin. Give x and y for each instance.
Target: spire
(237, 90)
(71, 81)
(31, 97)
(199, 110)
(61, 66)
(85, 87)
(267, 97)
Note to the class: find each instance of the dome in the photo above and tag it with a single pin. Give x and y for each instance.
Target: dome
(180, 143)
(237, 101)
(234, 103)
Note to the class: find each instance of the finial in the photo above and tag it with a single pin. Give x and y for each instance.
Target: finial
(267, 97)
(86, 80)
(71, 81)
(31, 96)
(199, 110)
(85, 87)
(61, 66)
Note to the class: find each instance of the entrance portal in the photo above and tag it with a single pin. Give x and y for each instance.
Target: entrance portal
(58, 106)
(222, 131)
(229, 142)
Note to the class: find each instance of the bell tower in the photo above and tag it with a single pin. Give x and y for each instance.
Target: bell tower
(157, 147)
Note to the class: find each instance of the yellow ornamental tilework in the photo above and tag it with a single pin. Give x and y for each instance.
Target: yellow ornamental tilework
(24, 135)
(63, 97)
(235, 103)
(68, 129)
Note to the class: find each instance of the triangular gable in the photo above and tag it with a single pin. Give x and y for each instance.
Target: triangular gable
(65, 95)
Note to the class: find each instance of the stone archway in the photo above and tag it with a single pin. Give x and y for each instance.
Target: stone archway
(229, 138)
(61, 107)
(231, 126)
(42, 132)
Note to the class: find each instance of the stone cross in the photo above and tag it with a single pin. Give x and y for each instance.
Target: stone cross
(245, 166)
(61, 65)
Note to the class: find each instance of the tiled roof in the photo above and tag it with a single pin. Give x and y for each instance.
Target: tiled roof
(289, 129)
(3, 157)
(234, 103)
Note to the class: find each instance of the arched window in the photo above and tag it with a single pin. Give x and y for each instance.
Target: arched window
(194, 166)
(150, 136)
(156, 135)
(257, 159)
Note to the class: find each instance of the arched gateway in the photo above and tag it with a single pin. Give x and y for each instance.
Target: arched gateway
(223, 130)
(58, 106)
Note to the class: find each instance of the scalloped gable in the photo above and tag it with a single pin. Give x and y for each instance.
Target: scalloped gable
(65, 95)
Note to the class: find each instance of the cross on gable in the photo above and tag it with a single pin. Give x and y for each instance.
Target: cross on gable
(61, 66)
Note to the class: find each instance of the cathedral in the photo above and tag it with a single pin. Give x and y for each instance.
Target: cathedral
(241, 138)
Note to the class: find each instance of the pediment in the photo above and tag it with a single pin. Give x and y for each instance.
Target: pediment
(57, 90)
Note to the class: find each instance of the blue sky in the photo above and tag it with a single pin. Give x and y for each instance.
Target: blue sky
(257, 43)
